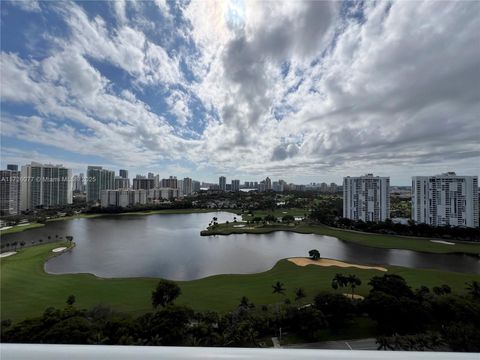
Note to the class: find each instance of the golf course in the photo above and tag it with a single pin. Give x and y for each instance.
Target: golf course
(26, 289)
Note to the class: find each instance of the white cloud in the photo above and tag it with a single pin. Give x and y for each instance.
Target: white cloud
(287, 86)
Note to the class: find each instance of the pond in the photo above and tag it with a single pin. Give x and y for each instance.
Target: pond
(170, 246)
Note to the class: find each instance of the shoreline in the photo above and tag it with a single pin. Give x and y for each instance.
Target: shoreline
(34, 225)
(399, 242)
(217, 292)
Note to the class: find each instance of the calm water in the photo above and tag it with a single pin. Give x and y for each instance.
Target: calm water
(170, 246)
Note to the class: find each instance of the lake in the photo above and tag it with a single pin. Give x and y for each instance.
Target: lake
(170, 246)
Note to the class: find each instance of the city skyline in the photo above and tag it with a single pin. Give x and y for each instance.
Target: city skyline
(232, 91)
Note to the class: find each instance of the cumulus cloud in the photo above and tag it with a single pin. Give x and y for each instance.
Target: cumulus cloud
(315, 86)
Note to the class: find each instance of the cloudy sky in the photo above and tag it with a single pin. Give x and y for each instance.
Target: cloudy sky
(304, 91)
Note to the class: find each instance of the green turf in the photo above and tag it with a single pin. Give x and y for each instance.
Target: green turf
(26, 290)
(19, 228)
(367, 239)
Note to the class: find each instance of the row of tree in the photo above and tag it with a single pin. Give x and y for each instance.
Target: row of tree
(406, 319)
(332, 217)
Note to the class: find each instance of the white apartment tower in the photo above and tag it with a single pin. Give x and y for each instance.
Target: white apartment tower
(366, 198)
(45, 186)
(98, 179)
(445, 199)
(9, 192)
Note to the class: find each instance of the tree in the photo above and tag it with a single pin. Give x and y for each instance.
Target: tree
(288, 218)
(278, 288)
(473, 288)
(339, 280)
(69, 238)
(71, 300)
(165, 293)
(300, 294)
(270, 218)
(442, 290)
(22, 244)
(314, 254)
(353, 281)
(245, 303)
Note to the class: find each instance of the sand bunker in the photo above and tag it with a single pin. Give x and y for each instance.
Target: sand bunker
(300, 261)
(238, 226)
(442, 242)
(8, 253)
(59, 249)
(355, 296)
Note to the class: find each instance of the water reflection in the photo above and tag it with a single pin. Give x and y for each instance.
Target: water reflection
(170, 246)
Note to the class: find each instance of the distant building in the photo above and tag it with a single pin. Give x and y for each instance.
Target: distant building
(222, 183)
(445, 199)
(268, 184)
(366, 198)
(9, 192)
(171, 182)
(278, 186)
(123, 173)
(121, 182)
(142, 183)
(196, 186)
(98, 179)
(130, 197)
(235, 185)
(12, 167)
(187, 186)
(45, 186)
(78, 183)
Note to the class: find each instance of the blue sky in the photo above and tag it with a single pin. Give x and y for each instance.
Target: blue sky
(303, 91)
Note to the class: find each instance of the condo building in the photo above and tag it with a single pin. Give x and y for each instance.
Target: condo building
(9, 192)
(446, 199)
(222, 183)
(45, 186)
(366, 198)
(98, 179)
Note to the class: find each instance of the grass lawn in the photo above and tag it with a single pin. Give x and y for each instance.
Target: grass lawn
(19, 228)
(26, 290)
(367, 239)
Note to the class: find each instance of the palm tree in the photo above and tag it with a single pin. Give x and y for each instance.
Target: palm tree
(473, 288)
(299, 294)
(339, 280)
(278, 288)
(353, 281)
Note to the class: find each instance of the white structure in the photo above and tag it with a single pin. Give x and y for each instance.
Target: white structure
(130, 197)
(45, 186)
(187, 186)
(121, 182)
(98, 179)
(366, 198)
(9, 192)
(445, 199)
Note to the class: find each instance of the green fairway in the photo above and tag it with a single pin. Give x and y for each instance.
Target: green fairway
(26, 290)
(367, 239)
(19, 228)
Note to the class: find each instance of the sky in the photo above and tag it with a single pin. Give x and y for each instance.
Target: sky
(305, 91)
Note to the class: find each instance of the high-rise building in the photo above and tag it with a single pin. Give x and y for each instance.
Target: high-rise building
(98, 179)
(121, 182)
(187, 186)
(12, 167)
(268, 184)
(445, 199)
(78, 183)
(171, 182)
(366, 198)
(45, 186)
(123, 173)
(196, 186)
(143, 183)
(222, 183)
(235, 185)
(9, 192)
